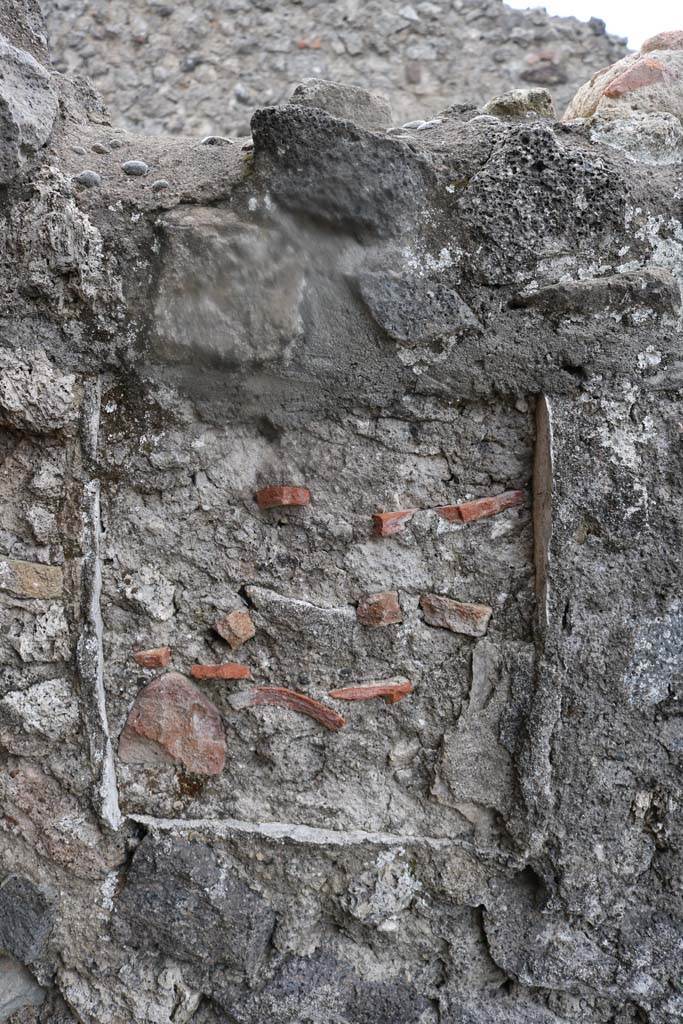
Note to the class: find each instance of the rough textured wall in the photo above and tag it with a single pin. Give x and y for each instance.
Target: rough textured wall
(203, 67)
(377, 334)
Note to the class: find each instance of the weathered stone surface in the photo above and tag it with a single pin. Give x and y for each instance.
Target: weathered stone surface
(422, 56)
(655, 291)
(649, 81)
(150, 592)
(54, 824)
(26, 918)
(229, 292)
(218, 921)
(30, 579)
(459, 617)
(28, 107)
(235, 628)
(172, 722)
(18, 988)
(341, 174)
(34, 395)
(48, 709)
(320, 987)
(520, 102)
(415, 310)
(502, 842)
(348, 102)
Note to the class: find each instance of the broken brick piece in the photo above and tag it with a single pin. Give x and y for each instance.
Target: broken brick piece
(388, 523)
(646, 71)
(480, 508)
(228, 670)
(393, 690)
(380, 609)
(444, 612)
(236, 627)
(283, 497)
(155, 657)
(281, 697)
(172, 722)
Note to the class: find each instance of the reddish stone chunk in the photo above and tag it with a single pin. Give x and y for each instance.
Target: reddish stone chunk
(444, 612)
(281, 697)
(228, 670)
(388, 523)
(664, 41)
(236, 628)
(155, 657)
(393, 690)
(283, 497)
(647, 71)
(380, 609)
(172, 722)
(480, 508)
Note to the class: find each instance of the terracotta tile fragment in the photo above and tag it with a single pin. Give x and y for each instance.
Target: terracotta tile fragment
(282, 496)
(281, 697)
(388, 523)
(444, 612)
(172, 722)
(480, 508)
(155, 657)
(380, 609)
(236, 628)
(663, 41)
(647, 71)
(228, 670)
(393, 690)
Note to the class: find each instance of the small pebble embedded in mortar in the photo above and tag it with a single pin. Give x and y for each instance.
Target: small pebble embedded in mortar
(135, 168)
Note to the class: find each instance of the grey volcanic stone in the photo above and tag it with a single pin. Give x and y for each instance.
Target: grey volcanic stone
(178, 899)
(25, 918)
(18, 988)
(347, 102)
(649, 290)
(417, 309)
(28, 106)
(321, 988)
(338, 173)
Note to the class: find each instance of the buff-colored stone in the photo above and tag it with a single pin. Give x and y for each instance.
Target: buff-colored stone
(647, 82)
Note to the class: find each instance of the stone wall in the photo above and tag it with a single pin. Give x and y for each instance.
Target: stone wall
(340, 548)
(202, 67)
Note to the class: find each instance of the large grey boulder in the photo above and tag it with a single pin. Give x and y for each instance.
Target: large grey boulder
(28, 107)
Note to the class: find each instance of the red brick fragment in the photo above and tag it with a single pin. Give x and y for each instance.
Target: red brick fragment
(480, 508)
(283, 497)
(664, 41)
(444, 612)
(309, 44)
(393, 690)
(155, 657)
(647, 71)
(236, 628)
(172, 722)
(228, 670)
(281, 697)
(388, 523)
(380, 609)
